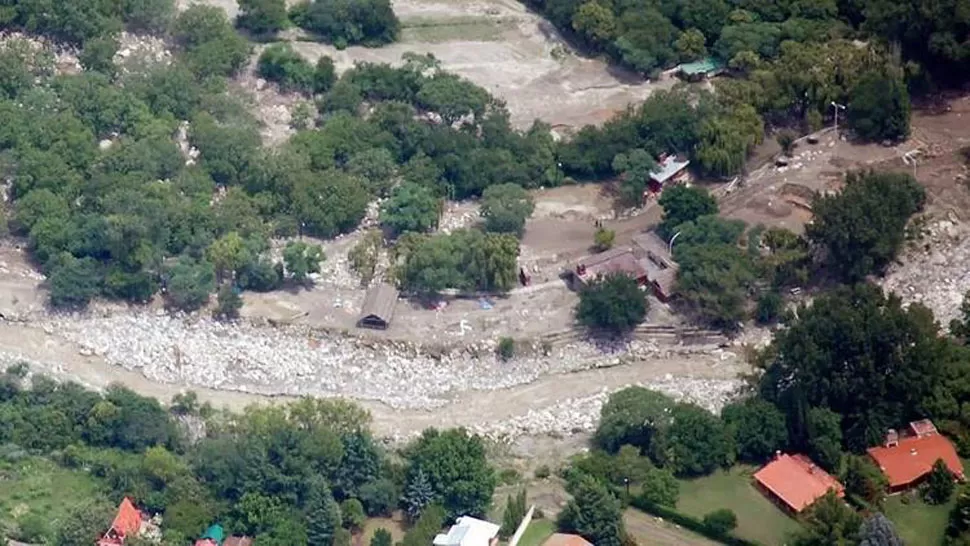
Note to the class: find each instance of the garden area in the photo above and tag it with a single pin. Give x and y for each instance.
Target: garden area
(758, 519)
(917, 521)
(35, 494)
(537, 532)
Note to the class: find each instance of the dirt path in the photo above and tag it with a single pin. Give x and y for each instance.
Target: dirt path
(54, 355)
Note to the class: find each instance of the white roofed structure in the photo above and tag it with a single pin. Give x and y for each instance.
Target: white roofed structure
(468, 531)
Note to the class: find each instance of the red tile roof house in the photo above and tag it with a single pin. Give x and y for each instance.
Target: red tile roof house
(907, 458)
(794, 482)
(127, 523)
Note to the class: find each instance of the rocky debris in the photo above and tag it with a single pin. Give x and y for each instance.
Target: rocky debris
(578, 415)
(934, 271)
(298, 361)
(137, 52)
(458, 215)
(63, 57)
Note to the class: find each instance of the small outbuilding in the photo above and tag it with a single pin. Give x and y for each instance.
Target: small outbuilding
(378, 308)
(699, 70)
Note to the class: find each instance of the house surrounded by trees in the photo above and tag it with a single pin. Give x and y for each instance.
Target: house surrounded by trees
(907, 458)
(794, 482)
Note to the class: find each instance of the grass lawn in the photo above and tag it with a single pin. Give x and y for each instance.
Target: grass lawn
(537, 532)
(758, 518)
(395, 525)
(918, 522)
(36, 485)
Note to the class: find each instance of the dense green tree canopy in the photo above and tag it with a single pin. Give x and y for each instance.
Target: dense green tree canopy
(505, 208)
(262, 16)
(860, 354)
(348, 22)
(464, 259)
(879, 108)
(614, 303)
(593, 513)
(863, 227)
(633, 416)
(455, 465)
(758, 428)
(683, 204)
(411, 207)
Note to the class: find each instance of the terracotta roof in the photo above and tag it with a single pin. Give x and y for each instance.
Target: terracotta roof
(913, 457)
(563, 539)
(238, 541)
(128, 520)
(797, 481)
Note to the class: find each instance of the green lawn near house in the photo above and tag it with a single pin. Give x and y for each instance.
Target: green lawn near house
(918, 522)
(537, 532)
(758, 518)
(37, 486)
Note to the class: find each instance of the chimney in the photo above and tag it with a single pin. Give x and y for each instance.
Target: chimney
(912, 451)
(778, 454)
(892, 438)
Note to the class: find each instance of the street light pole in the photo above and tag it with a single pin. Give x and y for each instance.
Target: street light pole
(837, 107)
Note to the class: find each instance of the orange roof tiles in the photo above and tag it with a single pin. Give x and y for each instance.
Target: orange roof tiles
(913, 457)
(128, 520)
(797, 481)
(563, 539)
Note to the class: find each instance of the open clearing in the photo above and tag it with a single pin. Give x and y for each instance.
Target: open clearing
(916, 521)
(33, 485)
(501, 46)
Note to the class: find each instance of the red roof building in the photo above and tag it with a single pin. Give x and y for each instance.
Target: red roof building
(795, 482)
(127, 523)
(907, 458)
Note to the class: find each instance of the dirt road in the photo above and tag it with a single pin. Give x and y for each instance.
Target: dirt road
(56, 356)
(647, 529)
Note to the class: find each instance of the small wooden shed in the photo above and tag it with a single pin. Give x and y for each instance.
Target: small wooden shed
(378, 308)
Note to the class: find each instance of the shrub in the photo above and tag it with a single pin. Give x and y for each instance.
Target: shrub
(721, 521)
(769, 307)
(786, 139)
(280, 63)
(542, 472)
(603, 239)
(506, 348)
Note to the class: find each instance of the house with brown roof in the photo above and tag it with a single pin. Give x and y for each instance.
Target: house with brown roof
(794, 482)
(659, 263)
(378, 308)
(565, 539)
(127, 523)
(907, 458)
(648, 261)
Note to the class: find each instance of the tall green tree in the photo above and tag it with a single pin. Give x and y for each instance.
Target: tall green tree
(411, 207)
(633, 416)
(593, 513)
(418, 493)
(939, 484)
(455, 464)
(634, 168)
(505, 208)
(614, 303)
(302, 259)
(879, 108)
(515, 510)
(696, 442)
(382, 537)
(323, 516)
(877, 530)
(829, 522)
(683, 204)
(864, 479)
(863, 227)
(858, 353)
(261, 16)
(758, 428)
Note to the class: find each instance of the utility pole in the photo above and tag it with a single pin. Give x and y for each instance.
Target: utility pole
(836, 106)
